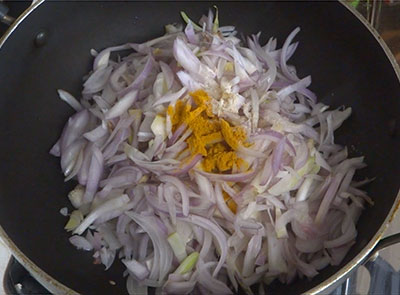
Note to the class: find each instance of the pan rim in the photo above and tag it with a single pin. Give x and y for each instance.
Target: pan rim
(57, 287)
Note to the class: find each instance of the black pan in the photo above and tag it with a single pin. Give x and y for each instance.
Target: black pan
(349, 67)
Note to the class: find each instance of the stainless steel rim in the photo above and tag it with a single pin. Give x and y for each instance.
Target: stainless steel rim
(56, 287)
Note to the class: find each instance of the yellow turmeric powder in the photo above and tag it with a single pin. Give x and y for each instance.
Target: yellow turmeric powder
(178, 113)
(200, 98)
(220, 158)
(211, 137)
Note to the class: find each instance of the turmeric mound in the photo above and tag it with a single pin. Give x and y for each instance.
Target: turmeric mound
(212, 137)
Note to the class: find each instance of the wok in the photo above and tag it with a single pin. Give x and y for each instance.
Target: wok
(48, 48)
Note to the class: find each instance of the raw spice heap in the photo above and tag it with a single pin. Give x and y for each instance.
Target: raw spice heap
(212, 137)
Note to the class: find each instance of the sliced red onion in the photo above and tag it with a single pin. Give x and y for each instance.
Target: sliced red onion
(116, 76)
(211, 284)
(277, 155)
(238, 177)
(64, 211)
(356, 163)
(321, 263)
(185, 57)
(338, 157)
(134, 288)
(302, 84)
(190, 34)
(187, 81)
(283, 56)
(291, 49)
(168, 74)
(339, 117)
(140, 78)
(253, 249)
(109, 237)
(123, 177)
(97, 80)
(103, 56)
(216, 232)
(94, 174)
(305, 268)
(96, 134)
(178, 132)
(75, 127)
(84, 171)
(77, 166)
(182, 190)
(241, 68)
(113, 214)
(111, 149)
(140, 183)
(250, 152)
(319, 160)
(209, 21)
(188, 166)
(328, 198)
(275, 257)
(231, 192)
(122, 223)
(156, 166)
(122, 105)
(309, 246)
(81, 243)
(170, 98)
(302, 155)
(104, 208)
(304, 191)
(206, 245)
(69, 99)
(162, 251)
(346, 180)
(272, 134)
(69, 156)
(107, 257)
(94, 239)
(322, 188)
(223, 208)
(184, 287)
(55, 150)
(274, 201)
(143, 245)
(348, 235)
(225, 29)
(139, 270)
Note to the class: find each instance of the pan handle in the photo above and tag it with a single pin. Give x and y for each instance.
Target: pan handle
(383, 244)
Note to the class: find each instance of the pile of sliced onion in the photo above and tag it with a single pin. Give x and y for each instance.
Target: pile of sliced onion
(167, 221)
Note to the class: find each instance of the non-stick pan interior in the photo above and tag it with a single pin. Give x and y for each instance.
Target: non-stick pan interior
(347, 65)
